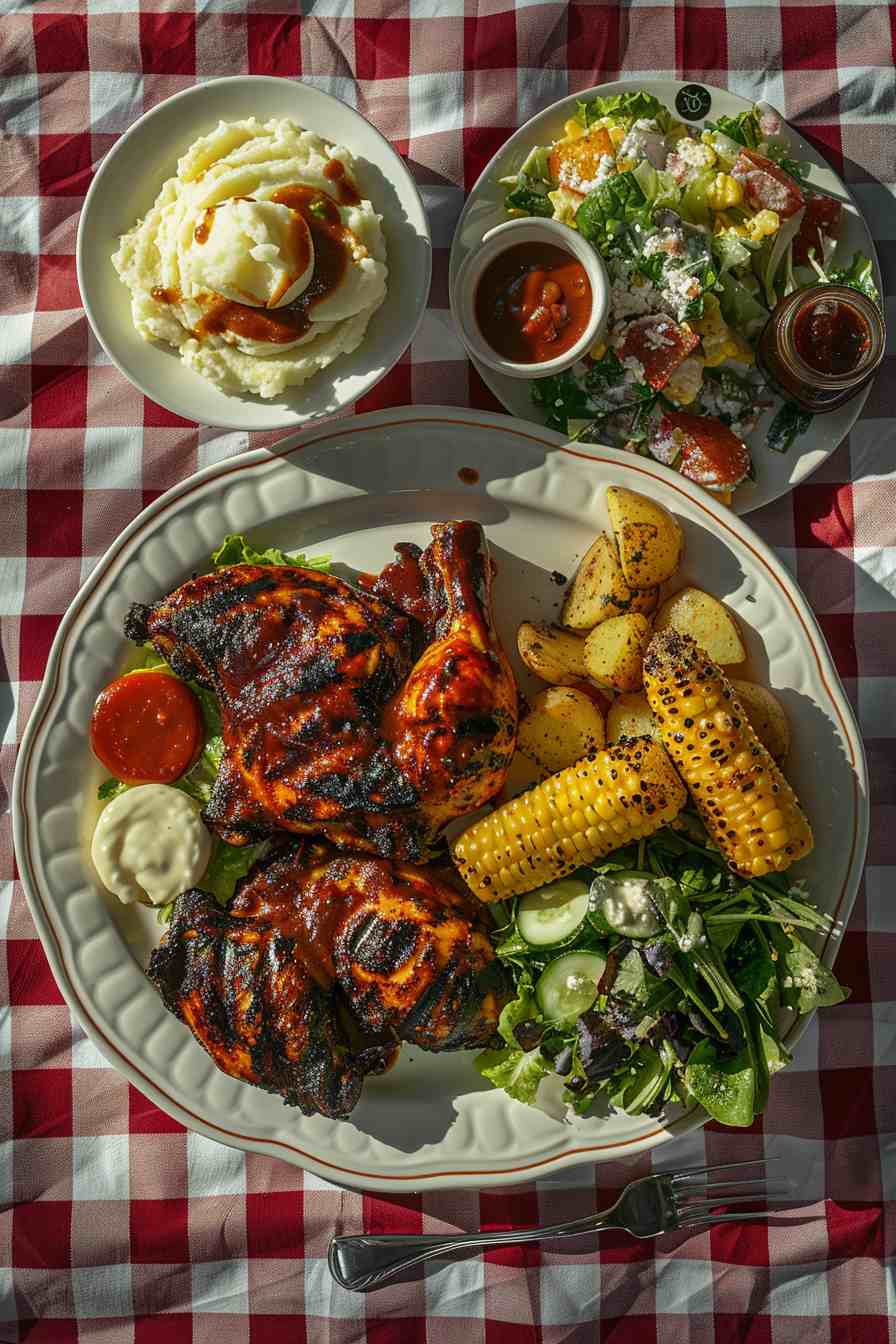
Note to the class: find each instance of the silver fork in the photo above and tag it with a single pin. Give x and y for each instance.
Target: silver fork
(646, 1208)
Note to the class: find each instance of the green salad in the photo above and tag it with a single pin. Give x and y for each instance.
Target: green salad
(657, 977)
(703, 232)
(228, 863)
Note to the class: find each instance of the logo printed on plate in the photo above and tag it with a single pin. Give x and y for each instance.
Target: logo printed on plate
(693, 101)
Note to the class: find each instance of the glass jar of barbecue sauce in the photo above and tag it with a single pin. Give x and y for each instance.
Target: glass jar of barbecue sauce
(822, 345)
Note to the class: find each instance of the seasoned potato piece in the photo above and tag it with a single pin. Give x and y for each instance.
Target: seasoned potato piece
(552, 654)
(614, 651)
(766, 714)
(562, 726)
(630, 716)
(709, 624)
(650, 541)
(599, 590)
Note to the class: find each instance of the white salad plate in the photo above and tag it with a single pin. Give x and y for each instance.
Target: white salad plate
(353, 489)
(776, 473)
(127, 183)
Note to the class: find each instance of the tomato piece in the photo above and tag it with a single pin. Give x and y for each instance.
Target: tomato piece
(767, 186)
(660, 344)
(821, 218)
(711, 453)
(146, 728)
(575, 163)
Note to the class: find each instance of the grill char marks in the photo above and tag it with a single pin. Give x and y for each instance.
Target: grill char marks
(452, 725)
(248, 997)
(389, 936)
(298, 661)
(322, 964)
(329, 724)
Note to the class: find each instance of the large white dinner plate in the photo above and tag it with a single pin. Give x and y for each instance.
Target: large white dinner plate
(354, 489)
(776, 473)
(126, 185)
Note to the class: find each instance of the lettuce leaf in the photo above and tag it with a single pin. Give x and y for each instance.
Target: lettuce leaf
(744, 128)
(659, 187)
(227, 865)
(730, 250)
(518, 1071)
(805, 982)
(236, 549)
(562, 399)
(199, 780)
(740, 308)
(859, 274)
(528, 201)
(724, 1085)
(790, 421)
(606, 210)
(624, 107)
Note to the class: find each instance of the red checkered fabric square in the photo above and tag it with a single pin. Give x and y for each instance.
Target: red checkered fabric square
(117, 1225)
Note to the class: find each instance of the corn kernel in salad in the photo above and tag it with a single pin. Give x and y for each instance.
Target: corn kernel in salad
(763, 225)
(724, 192)
(573, 130)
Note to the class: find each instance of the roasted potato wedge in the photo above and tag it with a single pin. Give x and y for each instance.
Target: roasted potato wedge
(630, 716)
(766, 714)
(649, 539)
(599, 590)
(561, 727)
(707, 621)
(614, 651)
(554, 655)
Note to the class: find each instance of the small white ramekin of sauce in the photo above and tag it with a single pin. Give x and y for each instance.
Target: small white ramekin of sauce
(822, 345)
(532, 299)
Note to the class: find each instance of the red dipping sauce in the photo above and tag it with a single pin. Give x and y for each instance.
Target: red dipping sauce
(821, 346)
(533, 302)
(831, 336)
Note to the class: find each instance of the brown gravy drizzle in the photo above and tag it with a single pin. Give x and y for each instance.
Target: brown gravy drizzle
(204, 227)
(335, 173)
(279, 325)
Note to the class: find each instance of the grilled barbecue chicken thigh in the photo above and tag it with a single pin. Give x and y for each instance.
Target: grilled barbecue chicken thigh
(369, 716)
(323, 963)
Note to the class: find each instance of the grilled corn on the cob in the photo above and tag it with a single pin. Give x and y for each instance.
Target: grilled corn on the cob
(746, 804)
(603, 801)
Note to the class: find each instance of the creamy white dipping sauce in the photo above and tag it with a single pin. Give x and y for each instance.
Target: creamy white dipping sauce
(150, 844)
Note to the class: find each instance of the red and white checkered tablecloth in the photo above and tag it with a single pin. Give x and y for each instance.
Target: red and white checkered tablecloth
(115, 1224)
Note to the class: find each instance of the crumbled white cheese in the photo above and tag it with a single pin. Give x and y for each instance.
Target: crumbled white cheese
(659, 335)
(571, 177)
(679, 289)
(637, 138)
(664, 446)
(630, 302)
(694, 153)
(606, 168)
(670, 241)
(634, 369)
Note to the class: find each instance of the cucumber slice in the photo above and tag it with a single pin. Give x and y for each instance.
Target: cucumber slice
(623, 899)
(567, 986)
(551, 914)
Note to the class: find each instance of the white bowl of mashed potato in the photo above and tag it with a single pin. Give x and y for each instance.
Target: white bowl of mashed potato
(253, 254)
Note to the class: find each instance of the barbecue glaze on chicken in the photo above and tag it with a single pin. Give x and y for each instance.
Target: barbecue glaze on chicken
(323, 963)
(371, 717)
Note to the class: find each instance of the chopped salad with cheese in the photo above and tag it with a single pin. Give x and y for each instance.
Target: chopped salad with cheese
(702, 232)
